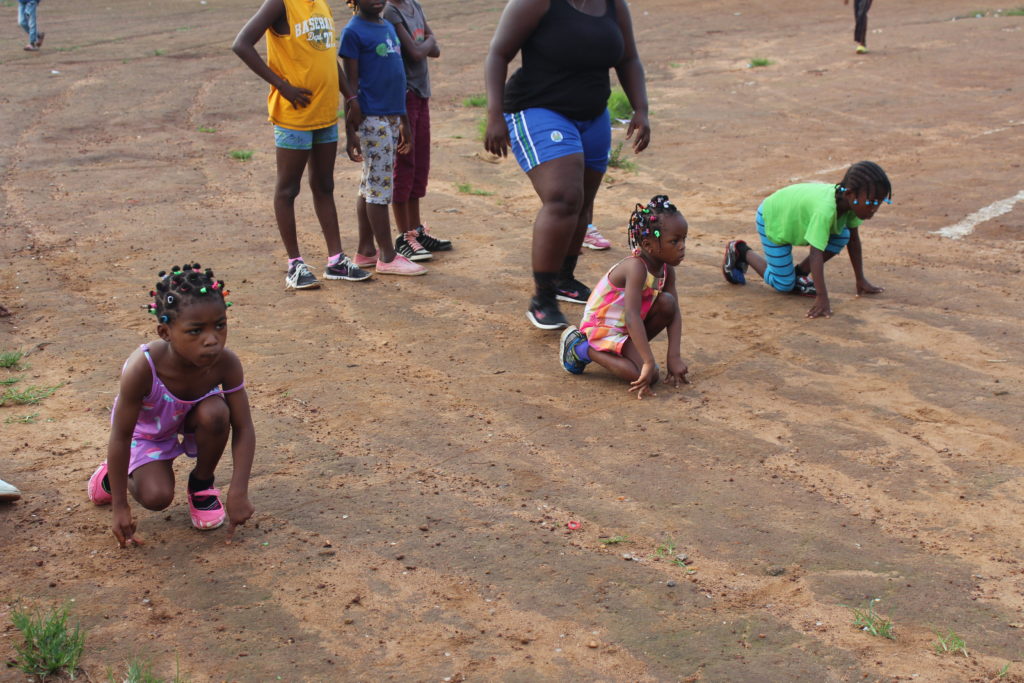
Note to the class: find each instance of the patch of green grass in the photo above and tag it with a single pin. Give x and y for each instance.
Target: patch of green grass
(22, 419)
(1002, 672)
(982, 13)
(50, 646)
(759, 61)
(11, 359)
(159, 53)
(616, 160)
(6, 3)
(614, 540)
(241, 154)
(140, 671)
(674, 65)
(867, 619)
(665, 548)
(475, 101)
(950, 643)
(206, 129)
(481, 128)
(11, 380)
(28, 396)
(466, 188)
(618, 104)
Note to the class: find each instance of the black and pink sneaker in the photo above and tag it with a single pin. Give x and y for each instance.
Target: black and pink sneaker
(545, 315)
(573, 291)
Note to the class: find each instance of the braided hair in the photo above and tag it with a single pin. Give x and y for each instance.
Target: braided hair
(184, 285)
(867, 176)
(643, 222)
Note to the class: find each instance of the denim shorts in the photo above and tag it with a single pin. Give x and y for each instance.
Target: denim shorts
(540, 135)
(286, 138)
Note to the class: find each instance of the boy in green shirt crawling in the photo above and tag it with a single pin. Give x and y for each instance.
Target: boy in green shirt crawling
(825, 218)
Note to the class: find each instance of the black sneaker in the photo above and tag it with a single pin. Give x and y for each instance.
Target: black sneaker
(300, 277)
(573, 291)
(733, 266)
(431, 243)
(344, 269)
(546, 315)
(804, 286)
(408, 246)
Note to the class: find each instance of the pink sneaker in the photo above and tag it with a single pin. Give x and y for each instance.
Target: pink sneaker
(594, 239)
(365, 262)
(207, 512)
(97, 494)
(400, 266)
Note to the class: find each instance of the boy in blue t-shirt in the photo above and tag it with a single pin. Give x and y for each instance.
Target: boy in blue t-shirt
(376, 127)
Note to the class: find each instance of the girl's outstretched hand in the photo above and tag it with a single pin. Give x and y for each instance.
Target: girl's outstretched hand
(676, 372)
(496, 139)
(642, 385)
(640, 125)
(124, 527)
(240, 509)
(865, 287)
(822, 308)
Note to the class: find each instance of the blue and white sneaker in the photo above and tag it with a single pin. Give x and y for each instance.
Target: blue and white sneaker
(571, 338)
(733, 265)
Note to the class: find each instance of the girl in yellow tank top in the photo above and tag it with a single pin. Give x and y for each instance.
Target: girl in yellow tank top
(305, 56)
(302, 71)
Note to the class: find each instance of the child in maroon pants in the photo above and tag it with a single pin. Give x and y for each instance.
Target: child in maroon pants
(411, 170)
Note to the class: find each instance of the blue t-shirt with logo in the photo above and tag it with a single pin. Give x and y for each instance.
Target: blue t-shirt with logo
(381, 71)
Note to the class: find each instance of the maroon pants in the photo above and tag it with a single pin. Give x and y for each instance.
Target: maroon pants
(412, 169)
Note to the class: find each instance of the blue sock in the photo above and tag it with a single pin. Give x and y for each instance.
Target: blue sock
(583, 350)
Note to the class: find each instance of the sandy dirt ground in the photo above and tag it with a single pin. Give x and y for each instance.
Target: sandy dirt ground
(420, 450)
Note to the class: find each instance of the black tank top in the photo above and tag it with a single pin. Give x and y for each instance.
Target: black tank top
(566, 62)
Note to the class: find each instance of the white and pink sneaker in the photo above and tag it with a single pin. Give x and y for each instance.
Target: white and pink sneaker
(400, 266)
(595, 240)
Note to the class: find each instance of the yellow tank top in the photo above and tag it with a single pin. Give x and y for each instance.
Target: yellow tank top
(306, 58)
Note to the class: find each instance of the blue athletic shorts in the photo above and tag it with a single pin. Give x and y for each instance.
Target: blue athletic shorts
(286, 138)
(540, 135)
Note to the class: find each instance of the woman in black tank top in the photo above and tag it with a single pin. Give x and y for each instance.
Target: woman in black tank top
(568, 48)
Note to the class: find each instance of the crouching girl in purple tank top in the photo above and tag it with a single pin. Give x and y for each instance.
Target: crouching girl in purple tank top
(182, 394)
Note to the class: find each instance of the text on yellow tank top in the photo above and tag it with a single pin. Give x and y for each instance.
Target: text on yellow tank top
(306, 58)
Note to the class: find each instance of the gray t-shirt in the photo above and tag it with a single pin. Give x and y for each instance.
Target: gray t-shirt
(417, 74)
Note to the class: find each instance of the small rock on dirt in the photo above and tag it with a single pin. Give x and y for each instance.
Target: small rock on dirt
(775, 571)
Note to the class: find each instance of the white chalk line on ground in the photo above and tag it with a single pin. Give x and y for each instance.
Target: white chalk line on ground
(993, 210)
(1008, 126)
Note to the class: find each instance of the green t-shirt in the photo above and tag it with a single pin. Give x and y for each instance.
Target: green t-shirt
(804, 214)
